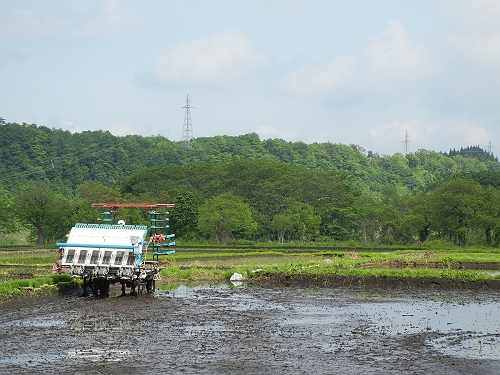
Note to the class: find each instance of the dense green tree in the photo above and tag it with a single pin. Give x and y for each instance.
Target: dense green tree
(486, 178)
(296, 222)
(8, 220)
(455, 204)
(437, 164)
(264, 185)
(96, 192)
(357, 194)
(410, 229)
(474, 152)
(90, 192)
(45, 212)
(339, 222)
(282, 223)
(226, 215)
(421, 210)
(369, 225)
(378, 221)
(184, 216)
(30, 152)
(487, 216)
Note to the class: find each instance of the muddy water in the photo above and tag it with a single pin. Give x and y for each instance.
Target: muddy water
(254, 330)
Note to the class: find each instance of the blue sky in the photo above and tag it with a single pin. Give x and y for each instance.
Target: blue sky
(351, 72)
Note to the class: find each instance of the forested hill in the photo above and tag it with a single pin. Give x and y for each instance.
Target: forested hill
(65, 159)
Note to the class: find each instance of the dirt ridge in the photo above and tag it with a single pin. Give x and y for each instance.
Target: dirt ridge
(377, 282)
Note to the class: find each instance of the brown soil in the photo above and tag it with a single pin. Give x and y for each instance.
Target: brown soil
(414, 263)
(424, 284)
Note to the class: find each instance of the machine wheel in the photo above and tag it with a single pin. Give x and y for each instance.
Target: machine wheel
(135, 288)
(150, 285)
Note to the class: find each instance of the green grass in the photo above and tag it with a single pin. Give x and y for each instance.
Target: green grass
(26, 263)
(33, 257)
(218, 264)
(421, 272)
(11, 288)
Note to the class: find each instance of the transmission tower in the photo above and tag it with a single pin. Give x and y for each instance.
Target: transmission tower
(187, 130)
(406, 142)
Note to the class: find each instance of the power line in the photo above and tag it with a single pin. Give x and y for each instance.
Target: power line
(490, 148)
(406, 142)
(187, 130)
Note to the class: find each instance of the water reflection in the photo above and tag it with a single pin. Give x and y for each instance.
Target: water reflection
(467, 326)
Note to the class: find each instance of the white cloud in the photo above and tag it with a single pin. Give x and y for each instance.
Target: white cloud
(473, 15)
(431, 135)
(67, 124)
(385, 130)
(392, 56)
(266, 131)
(475, 134)
(291, 133)
(123, 128)
(64, 19)
(386, 60)
(489, 49)
(482, 49)
(319, 137)
(221, 57)
(318, 78)
(57, 123)
(474, 29)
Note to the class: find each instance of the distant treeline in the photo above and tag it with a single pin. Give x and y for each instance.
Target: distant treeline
(473, 151)
(32, 153)
(244, 188)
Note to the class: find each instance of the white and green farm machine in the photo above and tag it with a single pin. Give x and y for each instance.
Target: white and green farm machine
(108, 252)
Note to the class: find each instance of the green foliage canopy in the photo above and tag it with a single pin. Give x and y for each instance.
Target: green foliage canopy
(225, 215)
(48, 174)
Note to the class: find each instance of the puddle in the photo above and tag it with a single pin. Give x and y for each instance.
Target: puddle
(40, 322)
(99, 354)
(30, 361)
(94, 324)
(207, 329)
(468, 328)
(400, 316)
(471, 329)
(473, 346)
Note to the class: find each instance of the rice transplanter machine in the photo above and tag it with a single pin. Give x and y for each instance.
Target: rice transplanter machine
(109, 253)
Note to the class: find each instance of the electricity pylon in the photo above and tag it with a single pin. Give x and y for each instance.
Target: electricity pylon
(187, 130)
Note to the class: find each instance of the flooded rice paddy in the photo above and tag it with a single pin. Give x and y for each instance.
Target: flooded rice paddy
(254, 330)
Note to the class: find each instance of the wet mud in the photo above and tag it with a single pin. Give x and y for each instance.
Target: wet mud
(421, 284)
(262, 329)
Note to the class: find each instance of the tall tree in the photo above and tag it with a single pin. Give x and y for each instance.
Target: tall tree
(46, 212)
(184, 217)
(297, 220)
(226, 215)
(488, 214)
(455, 204)
(8, 221)
(421, 210)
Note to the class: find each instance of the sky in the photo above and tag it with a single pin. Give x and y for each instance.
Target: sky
(380, 74)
